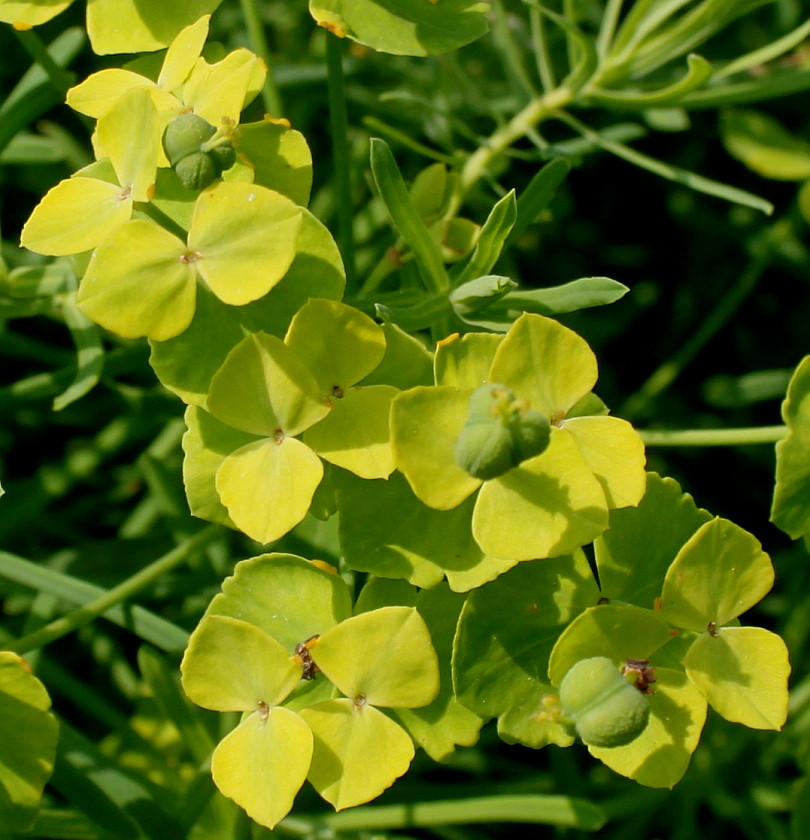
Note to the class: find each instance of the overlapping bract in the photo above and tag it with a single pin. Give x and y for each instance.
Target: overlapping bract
(551, 503)
(295, 726)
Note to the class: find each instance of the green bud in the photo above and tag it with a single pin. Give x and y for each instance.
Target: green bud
(196, 171)
(607, 709)
(500, 433)
(223, 156)
(184, 136)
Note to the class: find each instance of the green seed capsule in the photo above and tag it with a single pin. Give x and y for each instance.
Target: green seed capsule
(223, 156)
(184, 136)
(196, 171)
(500, 433)
(607, 709)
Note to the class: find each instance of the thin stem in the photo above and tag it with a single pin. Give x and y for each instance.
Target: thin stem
(545, 70)
(339, 125)
(509, 52)
(670, 370)
(713, 437)
(258, 42)
(124, 591)
(165, 221)
(60, 78)
(534, 113)
(607, 28)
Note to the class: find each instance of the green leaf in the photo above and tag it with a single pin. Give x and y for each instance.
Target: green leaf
(279, 157)
(355, 433)
(406, 220)
(28, 745)
(471, 300)
(141, 27)
(491, 240)
(583, 293)
(465, 362)
(696, 182)
(340, 345)
(138, 282)
(262, 764)
(358, 752)
(242, 238)
(660, 755)
(407, 27)
(425, 424)
(233, 666)
(719, 573)
(505, 635)
(763, 145)
(267, 486)
(264, 388)
(444, 723)
(791, 498)
(617, 632)
(537, 196)
(698, 73)
(386, 530)
(385, 657)
(743, 673)
(187, 363)
(289, 598)
(89, 354)
(634, 553)
(548, 506)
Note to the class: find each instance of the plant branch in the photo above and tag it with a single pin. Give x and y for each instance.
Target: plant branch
(534, 113)
(713, 437)
(258, 43)
(124, 591)
(339, 125)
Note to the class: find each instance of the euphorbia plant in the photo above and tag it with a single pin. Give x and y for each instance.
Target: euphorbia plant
(500, 550)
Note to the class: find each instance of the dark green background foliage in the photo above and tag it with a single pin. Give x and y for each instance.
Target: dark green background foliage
(94, 491)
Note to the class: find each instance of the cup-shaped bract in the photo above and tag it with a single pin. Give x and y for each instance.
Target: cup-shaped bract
(79, 212)
(545, 505)
(141, 279)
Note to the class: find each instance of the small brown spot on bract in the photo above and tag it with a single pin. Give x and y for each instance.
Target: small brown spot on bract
(264, 710)
(304, 658)
(190, 257)
(334, 28)
(359, 702)
(337, 391)
(278, 436)
(658, 604)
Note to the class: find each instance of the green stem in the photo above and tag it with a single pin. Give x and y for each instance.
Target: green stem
(124, 591)
(60, 78)
(713, 437)
(258, 41)
(339, 125)
(669, 371)
(530, 808)
(534, 113)
(545, 68)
